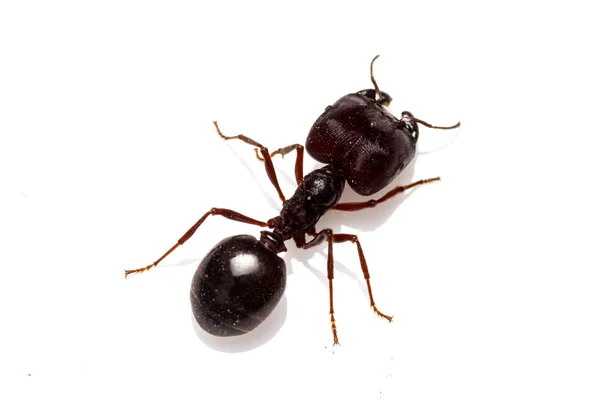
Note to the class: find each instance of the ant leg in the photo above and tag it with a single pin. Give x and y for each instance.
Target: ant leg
(299, 159)
(300, 238)
(326, 234)
(340, 238)
(318, 239)
(361, 205)
(229, 214)
(265, 153)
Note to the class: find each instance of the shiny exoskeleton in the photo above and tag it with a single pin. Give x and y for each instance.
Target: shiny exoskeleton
(236, 286)
(241, 280)
(361, 136)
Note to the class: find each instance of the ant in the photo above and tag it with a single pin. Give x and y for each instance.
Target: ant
(241, 280)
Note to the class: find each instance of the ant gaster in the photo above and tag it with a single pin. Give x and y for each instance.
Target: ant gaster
(241, 280)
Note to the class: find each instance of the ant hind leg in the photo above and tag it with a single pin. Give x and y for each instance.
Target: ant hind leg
(224, 212)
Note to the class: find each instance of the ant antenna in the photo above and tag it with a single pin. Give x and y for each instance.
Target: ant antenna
(377, 92)
(408, 118)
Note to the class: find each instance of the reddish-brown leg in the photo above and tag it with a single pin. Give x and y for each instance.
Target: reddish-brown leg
(229, 214)
(373, 202)
(266, 157)
(342, 237)
(299, 159)
(326, 234)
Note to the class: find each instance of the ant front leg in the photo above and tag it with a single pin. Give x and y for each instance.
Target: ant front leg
(361, 205)
(299, 159)
(224, 212)
(266, 156)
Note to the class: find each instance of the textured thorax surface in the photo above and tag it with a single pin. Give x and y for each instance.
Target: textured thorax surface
(320, 190)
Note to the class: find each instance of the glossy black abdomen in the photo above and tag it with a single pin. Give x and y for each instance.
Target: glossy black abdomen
(236, 286)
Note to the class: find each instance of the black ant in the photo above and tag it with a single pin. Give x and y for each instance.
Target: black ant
(241, 280)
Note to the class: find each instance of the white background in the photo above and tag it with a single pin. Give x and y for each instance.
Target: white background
(108, 155)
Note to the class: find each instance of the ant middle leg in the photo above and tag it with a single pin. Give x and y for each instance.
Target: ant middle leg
(361, 205)
(327, 234)
(224, 212)
(266, 157)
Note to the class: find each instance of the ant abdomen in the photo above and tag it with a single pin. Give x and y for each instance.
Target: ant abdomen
(236, 286)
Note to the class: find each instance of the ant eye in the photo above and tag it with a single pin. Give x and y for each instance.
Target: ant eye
(409, 127)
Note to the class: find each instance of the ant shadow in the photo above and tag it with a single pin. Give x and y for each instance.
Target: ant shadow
(248, 341)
